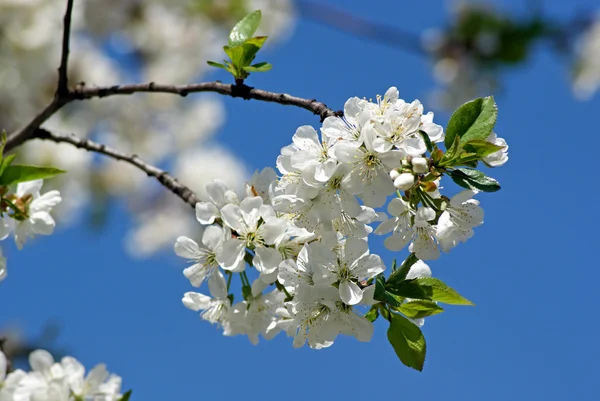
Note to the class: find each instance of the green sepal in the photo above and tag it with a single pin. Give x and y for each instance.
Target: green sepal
(372, 314)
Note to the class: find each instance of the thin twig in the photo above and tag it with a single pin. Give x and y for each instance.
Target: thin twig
(63, 80)
(243, 91)
(344, 21)
(167, 180)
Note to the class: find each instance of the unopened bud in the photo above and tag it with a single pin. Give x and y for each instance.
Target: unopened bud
(420, 165)
(404, 181)
(394, 174)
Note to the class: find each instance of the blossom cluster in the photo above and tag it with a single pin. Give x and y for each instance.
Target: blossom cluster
(26, 213)
(299, 241)
(57, 381)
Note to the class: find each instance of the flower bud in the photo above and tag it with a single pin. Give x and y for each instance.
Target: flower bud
(420, 165)
(404, 181)
(394, 174)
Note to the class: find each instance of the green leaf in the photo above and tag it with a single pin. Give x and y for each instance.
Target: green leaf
(451, 153)
(440, 292)
(472, 120)
(400, 274)
(408, 342)
(244, 29)
(125, 396)
(6, 162)
(372, 314)
(236, 54)
(259, 67)
(384, 296)
(257, 41)
(420, 308)
(218, 65)
(408, 289)
(474, 179)
(22, 173)
(481, 148)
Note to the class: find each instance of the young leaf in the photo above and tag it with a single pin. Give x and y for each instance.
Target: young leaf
(244, 29)
(408, 342)
(236, 54)
(472, 120)
(440, 292)
(218, 65)
(22, 173)
(474, 179)
(481, 148)
(257, 41)
(420, 308)
(400, 274)
(258, 67)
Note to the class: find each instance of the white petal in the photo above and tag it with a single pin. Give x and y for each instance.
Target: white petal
(231, 254)
(196, 274)
(266, 260)
(397, 206)
(29, 187)
(42, 223)
(195, 301)
(217, 285)
(232, 216)
(187, 248)
(397, 242)
(273, 230)
(324, 171)
(306, 138)
(40, 359)
(350, 292)
(216, 192)
(212, 237)
(354, 249)
(206, 212)
(45, 202)
(419, 269)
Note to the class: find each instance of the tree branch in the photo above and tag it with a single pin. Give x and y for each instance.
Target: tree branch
(63, 80)
(167, 180)
(243, 91)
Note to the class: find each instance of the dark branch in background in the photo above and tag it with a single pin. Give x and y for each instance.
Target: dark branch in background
(345, 22)
(63, 80)
(8, 361)
(162, 176)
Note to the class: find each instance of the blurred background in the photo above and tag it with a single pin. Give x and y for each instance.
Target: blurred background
(106, 287)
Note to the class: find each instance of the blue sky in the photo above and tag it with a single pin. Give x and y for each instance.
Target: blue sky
(531, 269)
